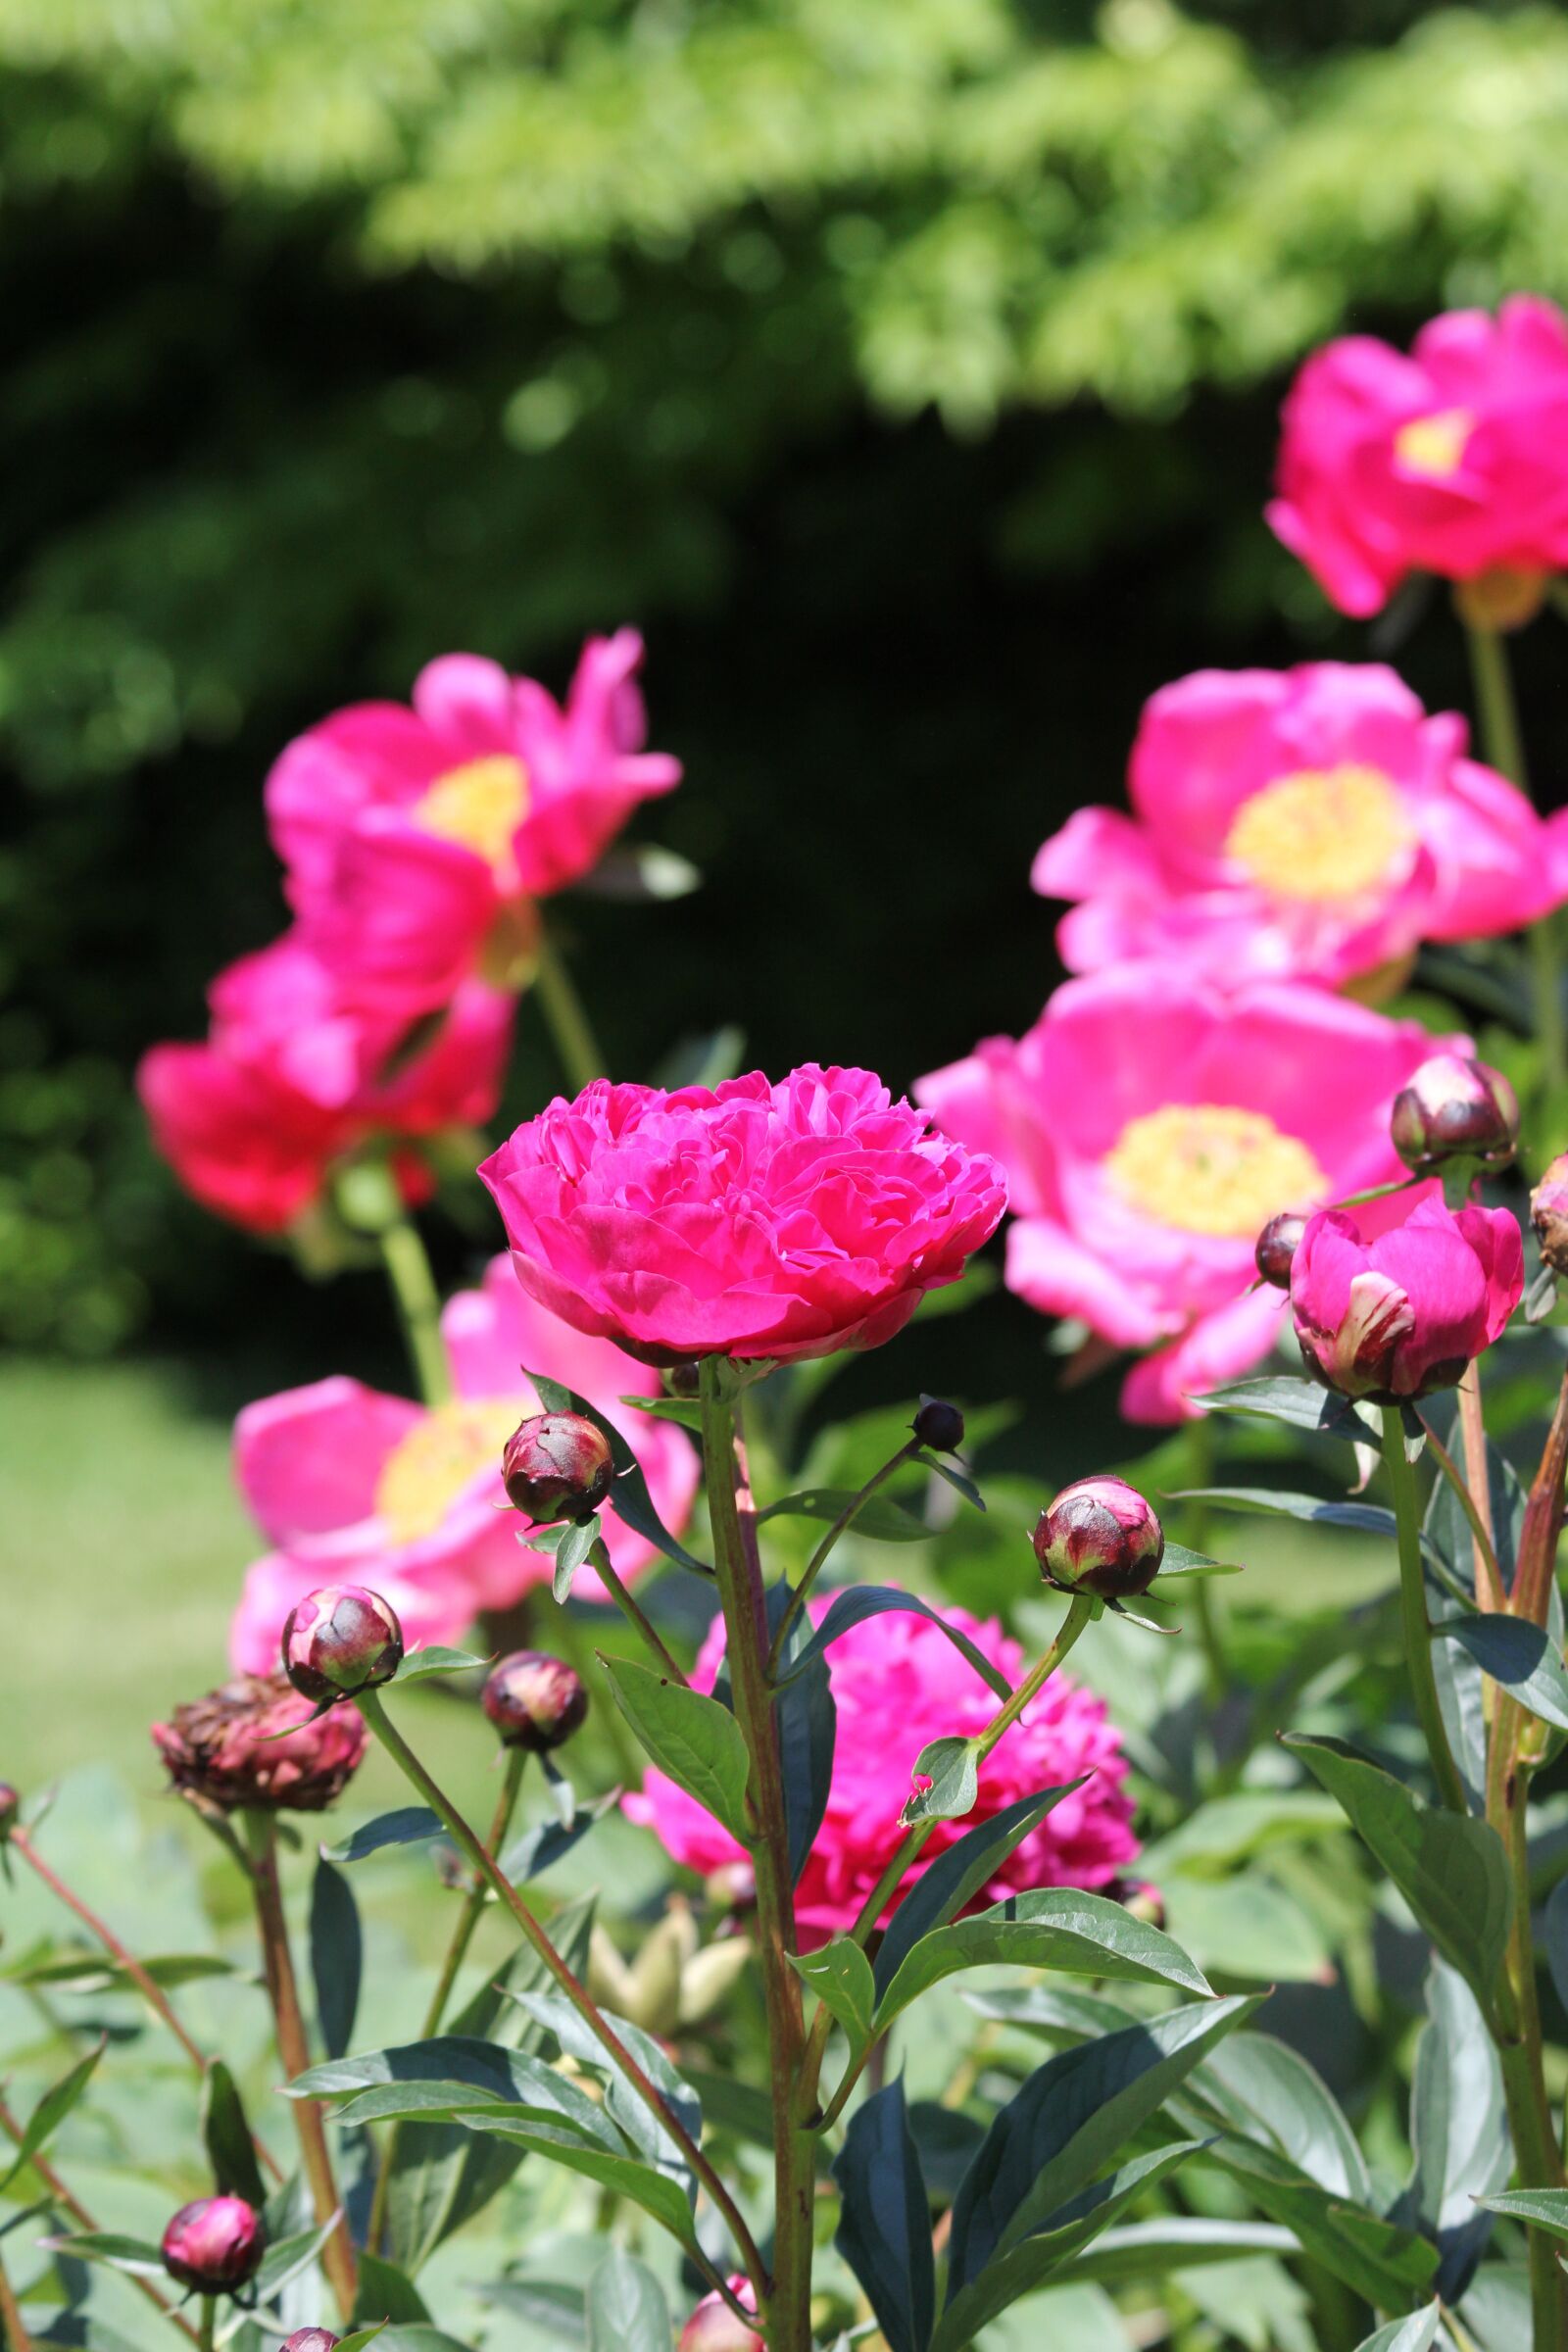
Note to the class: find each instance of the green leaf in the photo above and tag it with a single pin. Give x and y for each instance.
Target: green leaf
(387, 2295)
(1458, 2129)
(626, 2307)
(957, 1875)
(1418, 2333)
(1246, 1927)
(1519, 1657)
(444, 2076)
(115, 2252)
(1542, 2208)
(840, 1975)
(1179, 1565)
(1229, 1830)
(227, 2138)
(538, 1849)
(290, 2259)
(1299, 1403)
(1049, 1928)
(557, 2311)
(953, 1768)
(884, 2231)
(1262, 2090)
(359, 2337)
(656, 2192)
(879, 1516)
(93, 1972)
(1370, 1518)
(52, 2110)
(572, 1545)
(852, 1605)
(1064, 2234)
(1141, 2250)
(690, 1737)
(1453, 1872)
(408, 1825)
(1071, 2117)
(421, 1665)
(337, 1957)
(1386, 2263)
(680, 1409)
(957, 1479)
(641, 2123)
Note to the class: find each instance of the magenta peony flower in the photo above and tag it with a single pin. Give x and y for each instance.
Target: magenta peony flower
(413, 837)
(752, 1220)
(290, 1081)
(1150, 1123)
(352, 1485)
(225, 1749)
(1452, 461)
(214, 2244)
(1395, 1316)
(897, 1684)
(1307, 823)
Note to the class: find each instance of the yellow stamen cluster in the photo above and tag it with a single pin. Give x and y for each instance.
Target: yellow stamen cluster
(1434, 444)
(1206, 1167)
(1327, 833)
(480, 804)
(428, 1470)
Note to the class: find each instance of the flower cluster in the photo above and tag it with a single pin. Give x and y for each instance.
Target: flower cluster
(415, 843)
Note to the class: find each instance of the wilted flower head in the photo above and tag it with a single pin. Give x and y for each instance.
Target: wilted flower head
(339, 1639)
(1549, 1213)
(1099, 1535)
(225, 1749)
(1277, 1246)
(748, 1220)
(215, 2244)
(1394, 1317)
(715, 2327)
(1454, 1108)
(897, 1684)
(535, 1701)
(557, 1466)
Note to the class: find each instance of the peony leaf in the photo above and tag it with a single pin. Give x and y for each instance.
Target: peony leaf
(956, 1877)
(1050, 1928)
(840, 1975)
(884, 2231)
(1518, 1656)
(1368, 1518)
(880, 1516)
(626, 2307)
(952, 1767)
(226, 2137)
(856, 1602)
(1418, 2333)
(1543, 2208)
(52, 2110)
(408, 1825)
(656, 2192)
(538, 1849)
(117, 2252)
(690, 1737)
(421, 1665)
(1299, 1403)
(337, 1956)
(1142, 2250)
(389, 2292)
(1458, 2129)
(572, 1545)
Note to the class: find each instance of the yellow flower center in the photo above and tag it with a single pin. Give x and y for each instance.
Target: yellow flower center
(424, 1473)
(1434, 444)
(1323, 833)
(1206, 1168)
(480, 804)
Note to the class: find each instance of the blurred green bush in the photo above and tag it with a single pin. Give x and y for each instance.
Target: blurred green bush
(907, 367)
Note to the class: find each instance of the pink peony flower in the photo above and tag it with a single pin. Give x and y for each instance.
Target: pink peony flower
(1452, 461)
(897, 1684)
(715, 2327)
(355, 1486)
(753, 1220)
(1399, 1313)
(1309, 823)
(290, 1081)
(1150, 1123)
(413, 837)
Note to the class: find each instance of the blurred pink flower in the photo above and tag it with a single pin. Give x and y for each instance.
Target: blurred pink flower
(1454, 460)
(355, 1486)
(1151, 1124)
(753, 1220)
(290, 1081)
(1310, 824)
(899, 1683)
(1404, 1312)
(409, 834)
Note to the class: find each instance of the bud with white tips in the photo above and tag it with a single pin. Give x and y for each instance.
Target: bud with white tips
(339, 1639)
(1099, 1535)
(557, 1466)
(1454, 1108)
(534, 1701)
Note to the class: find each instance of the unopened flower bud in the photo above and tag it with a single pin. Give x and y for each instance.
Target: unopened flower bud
(683, 1380)
(310, 2339)
(939, 1425)
(225, 1749)
(215, 2244)
(535, 1702)
(1454, 1108)
(1276, 1247)
(10, 1809)
(1099, 1535)
(715, 2327)
(1549, 1213)
(557, 1466)
(342, 1640)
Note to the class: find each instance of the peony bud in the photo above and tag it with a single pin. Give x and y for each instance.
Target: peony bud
(1549, 1213)
(1276, 1247)
(1454, 1108)
(1393, 1318)
(938, 1425)
(1099, 1535)
(225, 1749)
(342, 1640)
(557, 1466)
(10, 1808)
(215, 2244)
(715, 2327)
(310, 2339)
(535, 1702)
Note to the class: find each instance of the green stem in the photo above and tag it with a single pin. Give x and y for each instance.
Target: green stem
(467, 1843)
(631, 1610)
(473, 1903)
(788, 2311)
(845, 1520)
(207, 2327)
(1502, 746)
(1413, 1613)
(565, 1017)
(419, 1305)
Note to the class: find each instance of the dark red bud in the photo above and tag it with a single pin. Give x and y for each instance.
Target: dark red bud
(1099, 1535)
(339, 1639)
(939, 1425)
(310, 2339)
(1277, 1246)
(683, 1380)
(557, 1466)
(215, 2244)
(535, 1701)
